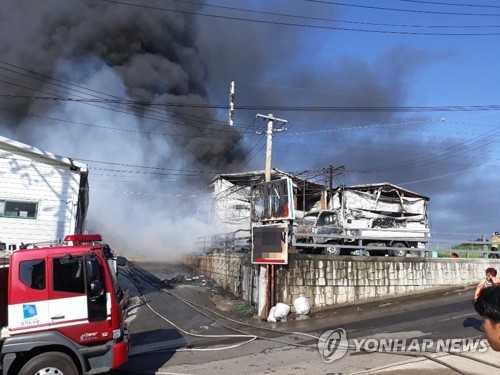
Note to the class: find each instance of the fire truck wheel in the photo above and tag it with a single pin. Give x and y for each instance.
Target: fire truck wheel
(51, 363)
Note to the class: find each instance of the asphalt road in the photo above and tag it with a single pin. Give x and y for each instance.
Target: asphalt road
(171, 336)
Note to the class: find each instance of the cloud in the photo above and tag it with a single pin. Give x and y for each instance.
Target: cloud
(149, 55)
(139, 180)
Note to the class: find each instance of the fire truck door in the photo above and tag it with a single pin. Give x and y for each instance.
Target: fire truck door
(28, 308)
(72, 304)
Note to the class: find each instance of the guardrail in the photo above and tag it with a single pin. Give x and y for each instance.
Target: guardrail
(239, 241)
(434, 244)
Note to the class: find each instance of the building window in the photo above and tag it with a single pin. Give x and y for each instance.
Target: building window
(18, 209)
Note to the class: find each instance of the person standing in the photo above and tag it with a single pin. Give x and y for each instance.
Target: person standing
(490, 279)
(495, 243)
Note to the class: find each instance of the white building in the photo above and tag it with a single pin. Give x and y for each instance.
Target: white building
(43, 197)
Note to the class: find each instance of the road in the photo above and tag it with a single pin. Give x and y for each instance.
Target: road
(170, 336)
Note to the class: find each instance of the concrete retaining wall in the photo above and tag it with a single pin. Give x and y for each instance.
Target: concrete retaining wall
(234, 272)
(327, 280)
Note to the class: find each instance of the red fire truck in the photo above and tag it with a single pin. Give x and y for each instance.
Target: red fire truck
(60, 311)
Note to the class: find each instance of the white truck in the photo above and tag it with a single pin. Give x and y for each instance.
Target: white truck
(379, 219)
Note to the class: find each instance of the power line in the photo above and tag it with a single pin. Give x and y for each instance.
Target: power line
(153, 170)
(441, 13)
(278, 23)
(455, 150)
(441, 176)
(453, 4)
(302, 17)
(472, 108)
(474, 145)
(249, 151)
(96, 98)
(105, 127)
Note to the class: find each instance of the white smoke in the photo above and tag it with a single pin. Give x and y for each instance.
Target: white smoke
(139, 213)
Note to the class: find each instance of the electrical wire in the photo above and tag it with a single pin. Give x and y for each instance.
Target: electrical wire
(91, 94)
(302, 17)
(307, 26)
(453, 4)
(440, 13)
(401, 109)
(421, 161)
(186, 120)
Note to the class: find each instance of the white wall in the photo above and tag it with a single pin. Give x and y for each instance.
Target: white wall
(227, 197)
(28, 177)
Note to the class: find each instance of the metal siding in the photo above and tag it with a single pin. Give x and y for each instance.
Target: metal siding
(53, 186)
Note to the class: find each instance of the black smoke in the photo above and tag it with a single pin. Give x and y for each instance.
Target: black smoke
(167, 52)
(154, 54)
(122, 88)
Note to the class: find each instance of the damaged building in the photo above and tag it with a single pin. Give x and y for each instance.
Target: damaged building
(381, 205)
(230, 206)
(370, 206)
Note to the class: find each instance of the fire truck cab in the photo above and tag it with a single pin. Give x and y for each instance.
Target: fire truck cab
(60, 310)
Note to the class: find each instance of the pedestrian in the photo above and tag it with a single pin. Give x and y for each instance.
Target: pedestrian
(454, 255)
(487, 306)
(495, 242)
(490, 279)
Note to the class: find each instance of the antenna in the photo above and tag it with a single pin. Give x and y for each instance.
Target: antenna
(231, 104)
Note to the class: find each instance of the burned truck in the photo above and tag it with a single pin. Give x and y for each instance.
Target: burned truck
(376, 219)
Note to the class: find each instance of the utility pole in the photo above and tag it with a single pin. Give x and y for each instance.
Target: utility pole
(330, 186)
(269, 142)
(330, 172)
(266, 287)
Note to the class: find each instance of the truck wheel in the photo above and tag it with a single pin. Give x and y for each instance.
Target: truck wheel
(398, 252)
(332, 249)
(51, 363)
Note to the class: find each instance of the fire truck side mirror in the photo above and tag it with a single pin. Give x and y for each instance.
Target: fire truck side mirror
(108, 253)
(96, 289)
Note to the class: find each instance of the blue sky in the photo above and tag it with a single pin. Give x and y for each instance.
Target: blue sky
(146, 157)
(349, 68)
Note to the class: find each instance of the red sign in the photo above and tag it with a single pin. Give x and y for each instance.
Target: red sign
(270, 244)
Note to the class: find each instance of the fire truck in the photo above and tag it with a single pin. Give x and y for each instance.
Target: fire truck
(60, 311)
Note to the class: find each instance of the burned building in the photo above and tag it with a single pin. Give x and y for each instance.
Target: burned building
(230, 203)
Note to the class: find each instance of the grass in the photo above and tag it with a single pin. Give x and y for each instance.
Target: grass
(243, 309)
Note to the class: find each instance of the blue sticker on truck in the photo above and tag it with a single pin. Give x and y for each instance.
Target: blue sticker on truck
(29, 311)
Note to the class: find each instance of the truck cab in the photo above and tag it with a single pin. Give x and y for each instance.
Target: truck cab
(320, 228)
(62, 310)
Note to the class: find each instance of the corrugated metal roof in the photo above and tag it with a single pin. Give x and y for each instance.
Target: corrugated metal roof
(9, 144)
(385, 184)
(254, 177)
